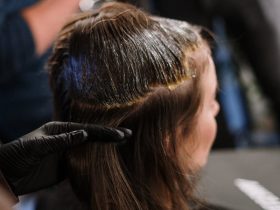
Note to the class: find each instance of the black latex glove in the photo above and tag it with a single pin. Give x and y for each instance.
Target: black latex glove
(33, 161)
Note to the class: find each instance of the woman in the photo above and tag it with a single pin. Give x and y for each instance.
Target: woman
(119, 66)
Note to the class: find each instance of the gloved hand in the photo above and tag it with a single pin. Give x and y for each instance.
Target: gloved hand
(33, 161)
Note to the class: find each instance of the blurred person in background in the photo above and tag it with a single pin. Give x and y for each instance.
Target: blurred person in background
(27, 30)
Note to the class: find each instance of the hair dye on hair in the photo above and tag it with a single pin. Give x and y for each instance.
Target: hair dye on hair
(121, 67)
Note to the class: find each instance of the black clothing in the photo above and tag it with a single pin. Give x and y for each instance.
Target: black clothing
(26, 100)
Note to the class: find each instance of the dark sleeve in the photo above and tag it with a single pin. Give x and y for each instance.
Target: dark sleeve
(5, 186)
(12, 6)
(17, 46)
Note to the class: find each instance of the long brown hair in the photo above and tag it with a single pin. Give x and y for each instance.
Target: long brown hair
(121, 67)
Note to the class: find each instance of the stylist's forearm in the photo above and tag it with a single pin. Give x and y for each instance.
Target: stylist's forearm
(46, 18)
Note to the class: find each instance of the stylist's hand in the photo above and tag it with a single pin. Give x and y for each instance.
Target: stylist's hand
(33, 161)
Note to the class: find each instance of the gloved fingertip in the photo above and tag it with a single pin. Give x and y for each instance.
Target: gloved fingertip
(127, 132)
(120, 134)
(80, 135)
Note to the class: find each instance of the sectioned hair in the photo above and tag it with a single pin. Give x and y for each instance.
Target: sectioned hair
(121, 67)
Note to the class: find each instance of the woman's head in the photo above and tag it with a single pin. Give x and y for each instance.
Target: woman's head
(123, 68)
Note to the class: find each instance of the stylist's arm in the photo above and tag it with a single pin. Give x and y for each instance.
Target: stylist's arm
(33, 161)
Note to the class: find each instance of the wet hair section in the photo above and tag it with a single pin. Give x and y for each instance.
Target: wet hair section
(124, 55)
(121, 67)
